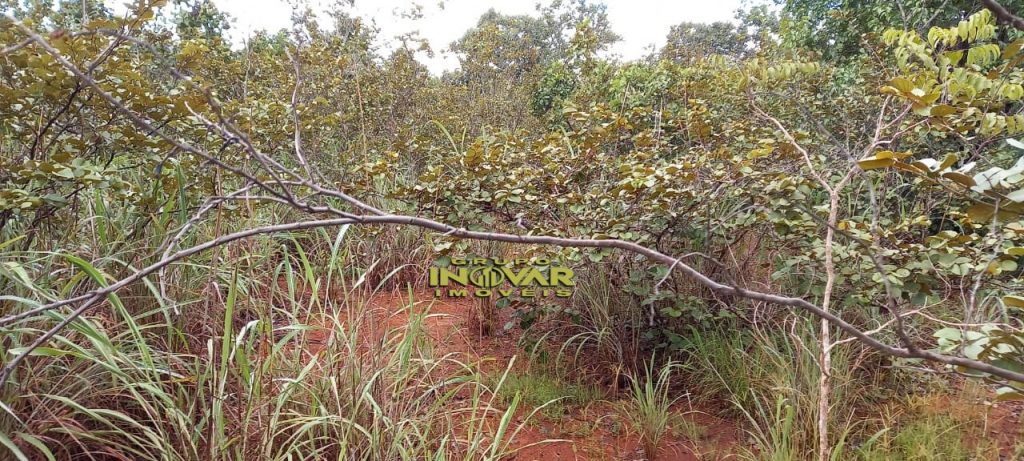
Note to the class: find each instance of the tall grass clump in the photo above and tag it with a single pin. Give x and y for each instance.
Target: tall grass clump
(771, 380)
(606, 332)
(648, 407)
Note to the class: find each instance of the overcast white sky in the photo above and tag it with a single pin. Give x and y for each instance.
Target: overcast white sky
(640, 23)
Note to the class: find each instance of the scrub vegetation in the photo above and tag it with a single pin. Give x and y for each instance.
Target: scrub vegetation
(798, 235)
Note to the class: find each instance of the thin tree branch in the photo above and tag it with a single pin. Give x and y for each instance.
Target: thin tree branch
(1004, 15)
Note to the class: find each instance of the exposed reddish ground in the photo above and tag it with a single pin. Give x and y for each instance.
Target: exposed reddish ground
(584, 434)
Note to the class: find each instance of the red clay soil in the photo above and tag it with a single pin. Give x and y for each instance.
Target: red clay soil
(594, 433)
(1000, 422)
(587, 436)
(1005, 427)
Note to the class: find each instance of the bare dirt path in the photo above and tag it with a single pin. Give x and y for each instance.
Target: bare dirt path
(596, 432)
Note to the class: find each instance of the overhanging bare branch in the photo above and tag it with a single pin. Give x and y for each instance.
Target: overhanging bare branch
(1004, 15)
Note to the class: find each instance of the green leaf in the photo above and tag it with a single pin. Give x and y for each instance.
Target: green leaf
(949, 334)
(1006, 393)
(1013, 301)
(942, 110)
(5, 441)
(873, 163)
(947, 162)
(960, 178)
(981, 212)
(38, 444)
(1016, 196)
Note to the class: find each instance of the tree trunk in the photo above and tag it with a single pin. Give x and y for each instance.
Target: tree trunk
(825, 358)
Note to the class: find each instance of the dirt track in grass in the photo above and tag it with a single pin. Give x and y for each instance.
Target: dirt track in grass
(596, 431)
